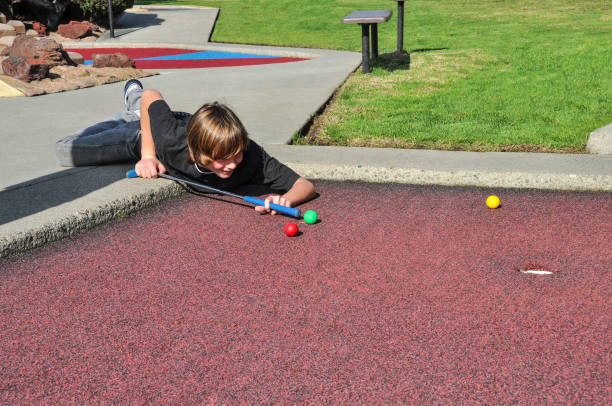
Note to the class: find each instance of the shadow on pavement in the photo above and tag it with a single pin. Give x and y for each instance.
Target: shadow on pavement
(138, 20)
(130, 22)
(43, 193)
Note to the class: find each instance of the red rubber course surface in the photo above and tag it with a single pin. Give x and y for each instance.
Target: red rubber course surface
(400, 294)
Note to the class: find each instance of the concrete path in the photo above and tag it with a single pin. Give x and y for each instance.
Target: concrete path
(41, 201)
(165, 24)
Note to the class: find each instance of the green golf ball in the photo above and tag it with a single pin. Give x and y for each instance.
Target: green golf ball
(310, 217)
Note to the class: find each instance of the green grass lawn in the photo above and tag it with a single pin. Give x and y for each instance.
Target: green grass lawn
(488, 75)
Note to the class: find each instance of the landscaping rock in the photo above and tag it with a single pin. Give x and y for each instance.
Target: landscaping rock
(7, 41)
(39, 48)
(600, 141)
(6, 29)
(76, 58)
(26, 70)
(34, 61)
(63, 78)
(116, 60)
(40, 28)
(18, 25)
(74, 29)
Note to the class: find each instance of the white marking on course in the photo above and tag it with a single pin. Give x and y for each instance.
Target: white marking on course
(536, 272)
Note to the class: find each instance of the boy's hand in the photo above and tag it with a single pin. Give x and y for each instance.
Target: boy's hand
(276, 199)
(149, 167)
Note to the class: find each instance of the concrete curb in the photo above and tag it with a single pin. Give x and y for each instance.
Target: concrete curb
(84, 220)
(111, 197)
(488, 170)
(451, 168)
(515, 180)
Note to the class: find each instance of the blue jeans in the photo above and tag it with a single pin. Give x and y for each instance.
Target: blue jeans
(116, 139)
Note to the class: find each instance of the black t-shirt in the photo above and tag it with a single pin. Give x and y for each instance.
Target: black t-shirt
(258, 171)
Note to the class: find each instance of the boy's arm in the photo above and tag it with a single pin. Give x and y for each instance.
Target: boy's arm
(148, 166)
(301, 191)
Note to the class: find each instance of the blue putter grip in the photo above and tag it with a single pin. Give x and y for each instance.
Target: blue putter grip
(291, 211)
(131, 174)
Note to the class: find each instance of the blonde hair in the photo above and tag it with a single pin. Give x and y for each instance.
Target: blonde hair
(215, 132)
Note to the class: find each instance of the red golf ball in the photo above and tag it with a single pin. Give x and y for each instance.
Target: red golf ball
(291, 229)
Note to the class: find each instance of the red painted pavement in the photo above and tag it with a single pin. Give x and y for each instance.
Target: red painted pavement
(132, 52)
(136, 53)
(210, 63)
(401, 294)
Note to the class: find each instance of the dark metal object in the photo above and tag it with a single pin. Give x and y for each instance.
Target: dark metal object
(374, 34)
(110, 19)
(368, 19)
(400, 25)
(365, 48)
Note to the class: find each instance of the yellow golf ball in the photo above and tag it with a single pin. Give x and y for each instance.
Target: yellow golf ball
(492, 202)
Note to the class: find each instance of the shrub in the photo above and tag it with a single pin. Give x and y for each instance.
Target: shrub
(96, 11)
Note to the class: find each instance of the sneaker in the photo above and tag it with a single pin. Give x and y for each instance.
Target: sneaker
(129, 86)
